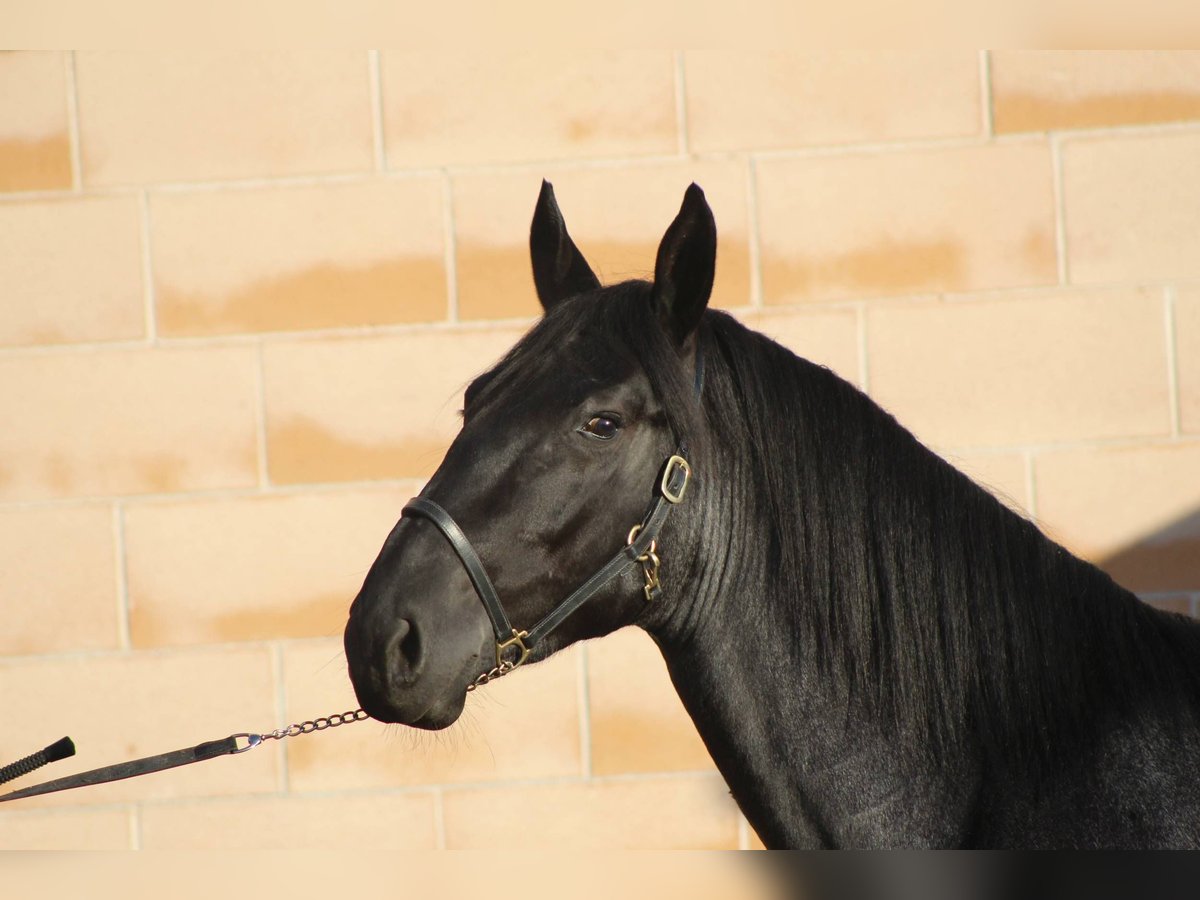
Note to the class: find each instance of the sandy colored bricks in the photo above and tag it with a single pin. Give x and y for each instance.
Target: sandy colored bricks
(906, 222)
(148, 117)
(1006, 371)
(520, 727)
(1135, 511)
(617, 216)
(131, 421)
(374, 822)
(58, 578)
(827, 338)
(120, 707)
(1035, 90)
(638, 723)
(35, 139)
(406, 391)
(293, 258)
(253, 568)
(1187, 358)
(467, 107)
(86, 829)
(692, 812)
(743, 100)
(71, 270)
(1132, 208)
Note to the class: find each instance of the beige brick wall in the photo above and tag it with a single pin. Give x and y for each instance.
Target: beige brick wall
(243, 291)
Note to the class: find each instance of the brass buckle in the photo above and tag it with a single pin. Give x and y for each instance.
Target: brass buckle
(675, 462)
(650, 564)
(518, 641)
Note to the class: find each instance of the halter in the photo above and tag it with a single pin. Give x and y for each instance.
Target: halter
(513, 646)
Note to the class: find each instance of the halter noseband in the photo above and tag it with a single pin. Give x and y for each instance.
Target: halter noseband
(640, 547)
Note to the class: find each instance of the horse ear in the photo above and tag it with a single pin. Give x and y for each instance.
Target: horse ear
(686, 264)
(559, 269)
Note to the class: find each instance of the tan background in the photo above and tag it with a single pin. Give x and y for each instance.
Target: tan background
(242, 293)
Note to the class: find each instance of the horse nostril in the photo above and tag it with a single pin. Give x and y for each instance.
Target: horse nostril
(404, 652)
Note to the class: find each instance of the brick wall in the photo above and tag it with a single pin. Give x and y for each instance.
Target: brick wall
(242, 293)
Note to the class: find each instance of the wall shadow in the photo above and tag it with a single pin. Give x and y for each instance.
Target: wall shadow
(1165, 562)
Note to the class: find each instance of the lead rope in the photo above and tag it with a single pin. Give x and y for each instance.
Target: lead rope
(235, 743)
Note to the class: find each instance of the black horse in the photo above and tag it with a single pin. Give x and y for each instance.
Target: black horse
(875, 651)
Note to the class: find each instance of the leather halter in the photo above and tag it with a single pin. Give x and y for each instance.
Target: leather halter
(673, 480)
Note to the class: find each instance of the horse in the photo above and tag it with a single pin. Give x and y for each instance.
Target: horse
(875, 650)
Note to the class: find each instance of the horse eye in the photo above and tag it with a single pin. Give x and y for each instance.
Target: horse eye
(602, 428)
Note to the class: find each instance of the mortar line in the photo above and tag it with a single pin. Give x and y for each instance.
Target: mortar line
(1172, 361)
(288, 490)
(757, 301)
(402, 329)
(1124, 442)
(864, 367)
(442, 788)
(450, 251)
(124, 631)
(73, 122)
(217, 494)
(902, 145)
(154, 652)
(584, 695)
(681, 116)
(1060, 210)
(439, 819)
(743, 832)
(851, 148)
(1165, 129)
(283, 780)
(377, 137)
(135, 826)
(247, 183)
(1031, 485)
(985, 98)
(260, 423)
(148, 293)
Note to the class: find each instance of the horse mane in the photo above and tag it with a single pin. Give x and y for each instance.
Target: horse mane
(939, 607)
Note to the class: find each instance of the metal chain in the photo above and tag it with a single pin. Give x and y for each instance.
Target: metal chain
(496, 672)
(298, 728)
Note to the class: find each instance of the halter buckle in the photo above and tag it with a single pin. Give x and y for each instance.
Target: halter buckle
(650, 564)
(517, 641)
(671, 493)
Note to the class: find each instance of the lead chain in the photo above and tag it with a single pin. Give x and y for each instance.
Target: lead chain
(298, 728)
(497, 671)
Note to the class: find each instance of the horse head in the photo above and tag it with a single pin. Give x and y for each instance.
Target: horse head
(573, 438)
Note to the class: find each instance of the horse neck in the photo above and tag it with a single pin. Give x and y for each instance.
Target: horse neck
(797, 761)
(858, 625)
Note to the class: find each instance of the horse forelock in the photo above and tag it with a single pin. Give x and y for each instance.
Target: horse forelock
(592, 339)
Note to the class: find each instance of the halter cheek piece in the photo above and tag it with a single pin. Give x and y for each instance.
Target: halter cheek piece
(513, 646)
